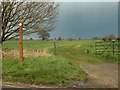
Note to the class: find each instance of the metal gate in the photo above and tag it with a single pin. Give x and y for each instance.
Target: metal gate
(107, 47)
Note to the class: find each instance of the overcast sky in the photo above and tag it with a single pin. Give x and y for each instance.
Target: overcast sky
(86, 19)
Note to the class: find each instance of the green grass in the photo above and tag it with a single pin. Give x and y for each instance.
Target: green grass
(75, 51)
(62, 68)
(42, 70)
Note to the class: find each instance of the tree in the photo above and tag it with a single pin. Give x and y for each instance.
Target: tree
(118, 38)
(95, 38)
(44, 34)
(79, 38)
(37, 16)
(59, 38)
(31, 38)
(109, 37)
(104, 38)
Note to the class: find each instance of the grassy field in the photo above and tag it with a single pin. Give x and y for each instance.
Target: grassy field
(41, 66)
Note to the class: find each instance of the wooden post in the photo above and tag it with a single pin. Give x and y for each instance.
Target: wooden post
(54, 48)
(21, 42)
(113, 46)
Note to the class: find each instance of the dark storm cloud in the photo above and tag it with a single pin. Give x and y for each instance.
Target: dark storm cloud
(87, 19)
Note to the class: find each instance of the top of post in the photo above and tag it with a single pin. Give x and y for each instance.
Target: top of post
(113, 40)
(20, 24)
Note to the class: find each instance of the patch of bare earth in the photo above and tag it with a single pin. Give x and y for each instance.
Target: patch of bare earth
(26, 53)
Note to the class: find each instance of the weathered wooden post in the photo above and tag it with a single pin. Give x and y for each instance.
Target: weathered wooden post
(113, 41)
(54, 47)
(21, 42)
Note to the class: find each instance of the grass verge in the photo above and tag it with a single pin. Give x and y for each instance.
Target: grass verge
(43, 70)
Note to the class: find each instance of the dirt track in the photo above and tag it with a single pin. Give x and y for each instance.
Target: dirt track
(102, 75)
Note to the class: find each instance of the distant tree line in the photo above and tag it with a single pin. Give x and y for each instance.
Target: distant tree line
(107, 38)
(70, 38)
(104, 38)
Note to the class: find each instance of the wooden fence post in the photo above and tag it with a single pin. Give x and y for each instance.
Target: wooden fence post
(113, 41)
(21, 42)
(54, 47)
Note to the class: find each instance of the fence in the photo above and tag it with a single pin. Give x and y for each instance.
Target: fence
(102, 47)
